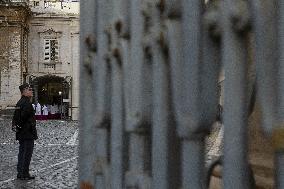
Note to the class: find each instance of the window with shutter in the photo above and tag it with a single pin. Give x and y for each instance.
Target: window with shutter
(51, 50)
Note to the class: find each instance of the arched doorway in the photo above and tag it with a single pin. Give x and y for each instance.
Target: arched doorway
(52, 91)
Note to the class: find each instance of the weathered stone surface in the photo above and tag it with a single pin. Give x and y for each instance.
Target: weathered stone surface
(13, 23)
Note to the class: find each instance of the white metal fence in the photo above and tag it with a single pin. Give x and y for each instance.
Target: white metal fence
(149, 94)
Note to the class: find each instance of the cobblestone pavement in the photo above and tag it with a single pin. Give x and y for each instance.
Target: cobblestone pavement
(54, 161)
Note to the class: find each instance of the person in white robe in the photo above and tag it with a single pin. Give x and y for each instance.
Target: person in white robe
(48, 108)
(44, 110)
(38, 109)
(56, 108)
(52, 109)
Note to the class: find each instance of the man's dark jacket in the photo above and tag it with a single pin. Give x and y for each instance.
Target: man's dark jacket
(27, 121)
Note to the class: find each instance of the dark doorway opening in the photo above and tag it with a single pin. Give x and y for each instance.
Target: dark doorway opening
(50, 91)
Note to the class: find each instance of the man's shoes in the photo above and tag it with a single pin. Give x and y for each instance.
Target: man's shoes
(30, 177)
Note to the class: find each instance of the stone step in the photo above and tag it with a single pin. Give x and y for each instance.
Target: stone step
(264, 182)
(262, 165)
(261, 182)
(263, 173)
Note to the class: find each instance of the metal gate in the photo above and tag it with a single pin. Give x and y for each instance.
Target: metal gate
(149, 94)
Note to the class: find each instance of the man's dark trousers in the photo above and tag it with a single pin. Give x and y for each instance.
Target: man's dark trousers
(24, 157)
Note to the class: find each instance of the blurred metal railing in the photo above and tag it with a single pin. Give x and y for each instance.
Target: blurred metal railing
(149, 94)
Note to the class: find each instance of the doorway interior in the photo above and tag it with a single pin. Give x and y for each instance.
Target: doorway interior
(51, 91)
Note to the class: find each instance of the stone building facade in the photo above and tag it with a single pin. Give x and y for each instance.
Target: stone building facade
(43, 50)
(13, 49)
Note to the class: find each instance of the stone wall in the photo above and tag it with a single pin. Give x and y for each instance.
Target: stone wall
(12, 31)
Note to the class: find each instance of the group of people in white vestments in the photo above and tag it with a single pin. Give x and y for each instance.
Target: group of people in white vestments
(46, 109)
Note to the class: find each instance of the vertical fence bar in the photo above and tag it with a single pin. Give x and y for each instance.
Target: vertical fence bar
(211, 61)
(174, 36)
(103, 73)
(103, 95)
(102, 177)
(161, 114)
(278, 133)
(161, 118)
(121, 25)
(192, 51)
(279, 170)
(87, 103)
(265, 45)
(116, 105)
(139, 118)
(138, 176)
(165, 143)
(193, 173)
(193, 163)
(123, 28)
(120, 51)
(268, 49)
(140, 75)
(117, 127)
(210, 65)
(234, 57)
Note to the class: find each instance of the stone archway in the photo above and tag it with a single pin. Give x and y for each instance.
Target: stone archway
(52, 90)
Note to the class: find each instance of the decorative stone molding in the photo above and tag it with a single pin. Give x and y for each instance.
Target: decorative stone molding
(50, 34)
(68, 80)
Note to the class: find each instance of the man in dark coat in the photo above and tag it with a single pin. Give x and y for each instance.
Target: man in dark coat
(27, 133)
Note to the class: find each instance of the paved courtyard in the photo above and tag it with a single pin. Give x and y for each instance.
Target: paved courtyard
(54, 161)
